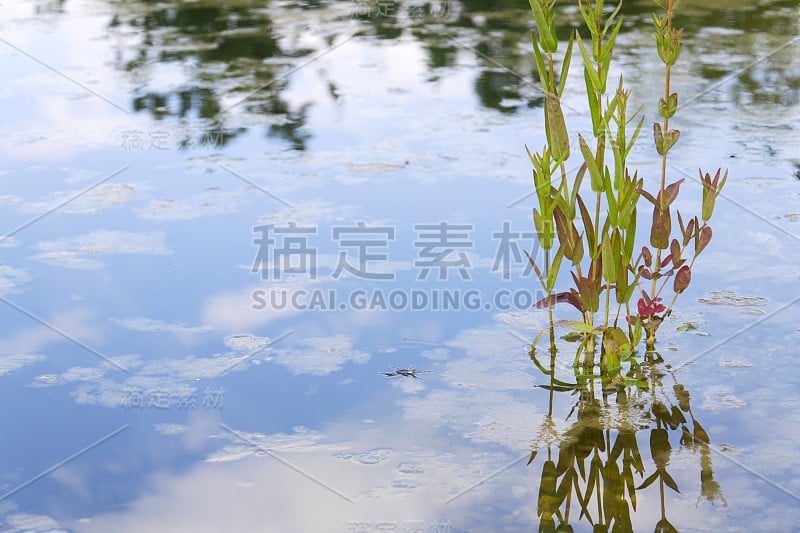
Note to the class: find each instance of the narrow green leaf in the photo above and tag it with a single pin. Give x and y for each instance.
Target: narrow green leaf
(637, 332)
(610, 113)
(613, 208)
(616, 243)
(630, 237)
(619, 165)
(535, 268)
(575, 188)
(564, 206)
(708, 205)
(557, 128)
(589, 67)
(544, 230)
(587, 18)
(723, 182)
(543, 76)
(576, 325)
(634, 137)
(611, 18)
(565, 65)
(544, 22)
(609, 261)
(627, 203)
(531, 156)
(605, 65)
(591, 165)
(588, 227)
(551, 276)
(594, 106)
(621, 292)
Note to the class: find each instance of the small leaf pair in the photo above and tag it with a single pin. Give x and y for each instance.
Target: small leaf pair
(711, 189)
(664, 141)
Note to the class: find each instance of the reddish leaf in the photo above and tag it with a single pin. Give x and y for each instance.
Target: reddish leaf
(568, 297)
(649, 308)
(689, 233)
(671, 192)
(661, 229)
(682, 279)
(705, 238)
(561, 225)
(675, 249)
(647, 195)
(648, 257)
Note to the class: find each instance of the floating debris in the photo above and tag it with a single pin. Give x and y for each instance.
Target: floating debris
(409, 372)
(734, 363)
(369, 457)
(748, 304)
(410, 468)
(722, 399)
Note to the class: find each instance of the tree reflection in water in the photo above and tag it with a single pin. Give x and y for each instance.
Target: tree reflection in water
(244, 52)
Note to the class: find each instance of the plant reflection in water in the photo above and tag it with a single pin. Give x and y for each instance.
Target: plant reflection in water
(594, 470)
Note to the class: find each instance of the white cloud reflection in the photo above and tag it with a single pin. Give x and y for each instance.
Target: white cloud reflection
(94, 201)
(453, 439)
(79, 252)
(154, 325)
(319, 356)
(11, 362)
(211, 201)
(11, 278)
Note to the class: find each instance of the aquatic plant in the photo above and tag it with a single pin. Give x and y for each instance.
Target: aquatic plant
(596, 235)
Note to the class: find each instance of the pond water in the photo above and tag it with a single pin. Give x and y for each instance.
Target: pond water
(221, 225)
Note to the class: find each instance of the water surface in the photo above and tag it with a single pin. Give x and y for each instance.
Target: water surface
(148, 147)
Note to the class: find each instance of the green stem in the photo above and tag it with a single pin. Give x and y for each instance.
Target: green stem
(657, 266)
(549, 301)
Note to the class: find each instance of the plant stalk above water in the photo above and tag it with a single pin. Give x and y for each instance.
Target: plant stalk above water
(604, 238)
